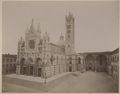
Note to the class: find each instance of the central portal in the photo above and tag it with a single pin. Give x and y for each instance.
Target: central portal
(70, 69)
(39, 71)
(31, 70)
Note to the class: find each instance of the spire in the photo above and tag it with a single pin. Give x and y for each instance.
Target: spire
(32, 21)
(70, 14)
(27, 29)
(21, 38)
(69, 17)
(61, 36)
(32, 26)
(38, 29)
(46, 33)
(46, 36)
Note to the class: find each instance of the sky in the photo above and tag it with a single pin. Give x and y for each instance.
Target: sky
(96, 23)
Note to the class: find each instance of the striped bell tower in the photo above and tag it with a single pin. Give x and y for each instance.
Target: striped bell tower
(69, 36)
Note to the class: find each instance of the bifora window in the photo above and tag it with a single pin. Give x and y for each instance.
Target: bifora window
(69, 31)
(70, 60)
(100, 63)
(79, 60)
(69, 26)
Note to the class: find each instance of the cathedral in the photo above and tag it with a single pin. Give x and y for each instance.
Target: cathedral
(38, 56)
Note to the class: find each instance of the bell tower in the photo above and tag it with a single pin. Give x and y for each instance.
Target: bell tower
(69, 36)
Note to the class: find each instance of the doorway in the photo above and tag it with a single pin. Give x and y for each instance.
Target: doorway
(39, 72)
(24, 70)
(70, 69)
(31, 70)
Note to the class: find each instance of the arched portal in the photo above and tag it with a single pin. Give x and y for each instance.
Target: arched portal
(79, 60)
(90, 62)
(70, 67)
(79, 66)
(39, 71)
(101, 63)
(22, 63)
(38, 68)
(70, 60)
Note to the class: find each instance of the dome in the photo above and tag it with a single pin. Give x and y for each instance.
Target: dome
(61, 41)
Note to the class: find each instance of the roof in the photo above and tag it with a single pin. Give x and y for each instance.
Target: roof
(106, 52)
(115, 51)
(56, 45)
(9, 55)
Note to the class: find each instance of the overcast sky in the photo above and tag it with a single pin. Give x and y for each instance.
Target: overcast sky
(96, 23)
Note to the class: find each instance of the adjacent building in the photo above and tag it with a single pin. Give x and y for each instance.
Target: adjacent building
(114, 64)
(8, 64)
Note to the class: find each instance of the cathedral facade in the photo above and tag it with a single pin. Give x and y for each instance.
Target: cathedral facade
(37, 56)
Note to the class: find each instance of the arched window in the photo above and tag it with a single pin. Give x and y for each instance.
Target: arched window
(68, 46)
(7, 59)
(23, 44)
(7, 68)
(79, 60)
(68, 26)
(2, 59)
(68, 36)
(40, 42)
(102, 60)
(52, 59)
(70, 60)
(40, 49)
(100, 63)
(22, 61)
(30, 60)
(61, 59)
(69, 31)
(113, 58)
(38, 61)
(11, 60)
(57, 60)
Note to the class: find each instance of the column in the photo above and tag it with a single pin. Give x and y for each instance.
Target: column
(95, 63)
(34, 70)
(28, 69)
(18, 69)
(83, 62)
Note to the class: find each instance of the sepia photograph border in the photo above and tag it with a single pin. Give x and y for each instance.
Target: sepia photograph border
(46, 1)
